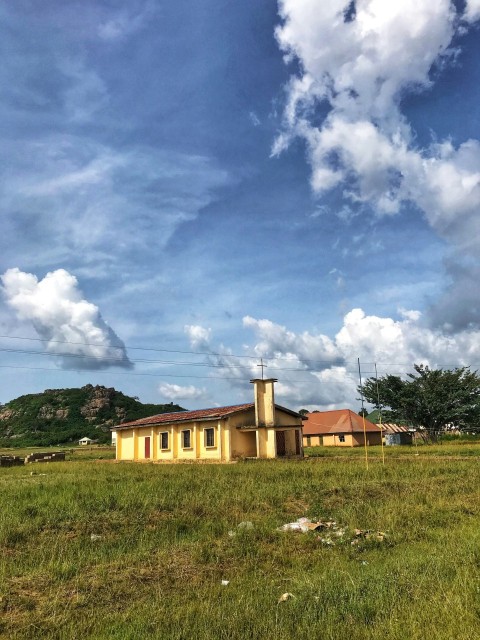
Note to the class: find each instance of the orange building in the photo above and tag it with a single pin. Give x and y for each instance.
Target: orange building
(339, 428)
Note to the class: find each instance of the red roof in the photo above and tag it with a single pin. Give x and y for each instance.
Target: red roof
(338, 421)
(187, 416)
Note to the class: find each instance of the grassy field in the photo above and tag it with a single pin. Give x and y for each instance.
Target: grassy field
(93, 549)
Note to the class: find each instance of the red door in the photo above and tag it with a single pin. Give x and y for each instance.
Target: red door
(147, 447)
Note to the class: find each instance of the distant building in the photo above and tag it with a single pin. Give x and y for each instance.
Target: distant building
(259, 429)
(339, 428)
(396, 434)
(85, 441)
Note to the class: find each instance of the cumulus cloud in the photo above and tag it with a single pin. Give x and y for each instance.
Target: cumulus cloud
(316, 371)
(71, 328)
(177, 392)
(199, 336)
(472, 10)
(357, 60)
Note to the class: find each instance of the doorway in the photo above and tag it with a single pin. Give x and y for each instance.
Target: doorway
(280, 442)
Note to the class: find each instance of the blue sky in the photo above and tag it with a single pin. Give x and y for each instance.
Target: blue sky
(190, 187)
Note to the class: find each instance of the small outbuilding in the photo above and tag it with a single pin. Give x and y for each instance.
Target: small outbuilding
(259, 429)
(396, 434)
(85, 441)
(339, 428)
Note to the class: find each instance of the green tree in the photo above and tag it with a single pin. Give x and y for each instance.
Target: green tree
(363, 413)
(430, 398)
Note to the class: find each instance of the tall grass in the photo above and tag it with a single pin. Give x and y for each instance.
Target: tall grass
(126, 551)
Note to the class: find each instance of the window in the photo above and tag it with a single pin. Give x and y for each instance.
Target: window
(341, 438)
(210, 437)
(164, 440)
(186, 439)
(309, 441)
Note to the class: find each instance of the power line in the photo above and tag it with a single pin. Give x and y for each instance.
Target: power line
(120, 373)
(229, 365)
(115, 360)
(332, 361)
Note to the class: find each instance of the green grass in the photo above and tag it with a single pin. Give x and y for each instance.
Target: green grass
(75, 453)
(163, 548)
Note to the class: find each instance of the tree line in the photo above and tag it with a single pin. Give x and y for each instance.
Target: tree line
(435, 400)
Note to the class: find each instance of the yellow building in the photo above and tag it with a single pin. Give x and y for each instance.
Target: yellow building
(260, 429)
(339, 428)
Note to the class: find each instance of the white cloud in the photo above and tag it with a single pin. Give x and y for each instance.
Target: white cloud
(254, 119)
(177, 392)
(276, 339)
(316, 371)
(64, 320)
(82, 194)
(126, 22)
(85, 93)
(472, 10)
(361, 68)
(199, 336)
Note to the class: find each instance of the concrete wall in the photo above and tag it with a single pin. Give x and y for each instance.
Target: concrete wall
(351, 440)
(264, 402)
(312, 441)
(131, 442)
(229, 441)
(244, 443)
(125, 445)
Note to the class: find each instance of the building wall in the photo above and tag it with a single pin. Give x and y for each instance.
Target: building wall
(285, 419)
(125, 445)
(264, 402)
(351, 439)
(312, 441)
(398, 438)
(131, 442)
(140, 436)
(229, 441)
(330, 440)
(372, 439)
(244, 443)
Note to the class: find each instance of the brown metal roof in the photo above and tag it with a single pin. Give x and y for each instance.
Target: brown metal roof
(199, 414)
(390, 427)
(186, 416)
(338, 421)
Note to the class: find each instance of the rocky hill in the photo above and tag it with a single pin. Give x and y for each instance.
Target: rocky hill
(63, 416)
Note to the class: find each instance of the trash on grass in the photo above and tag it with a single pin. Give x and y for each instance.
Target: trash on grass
(225, 583)
(95, 536)
(332, 533)
(285, 596)
(303, 525)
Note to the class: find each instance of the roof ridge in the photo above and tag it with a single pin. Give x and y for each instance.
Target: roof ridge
(227, 406)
